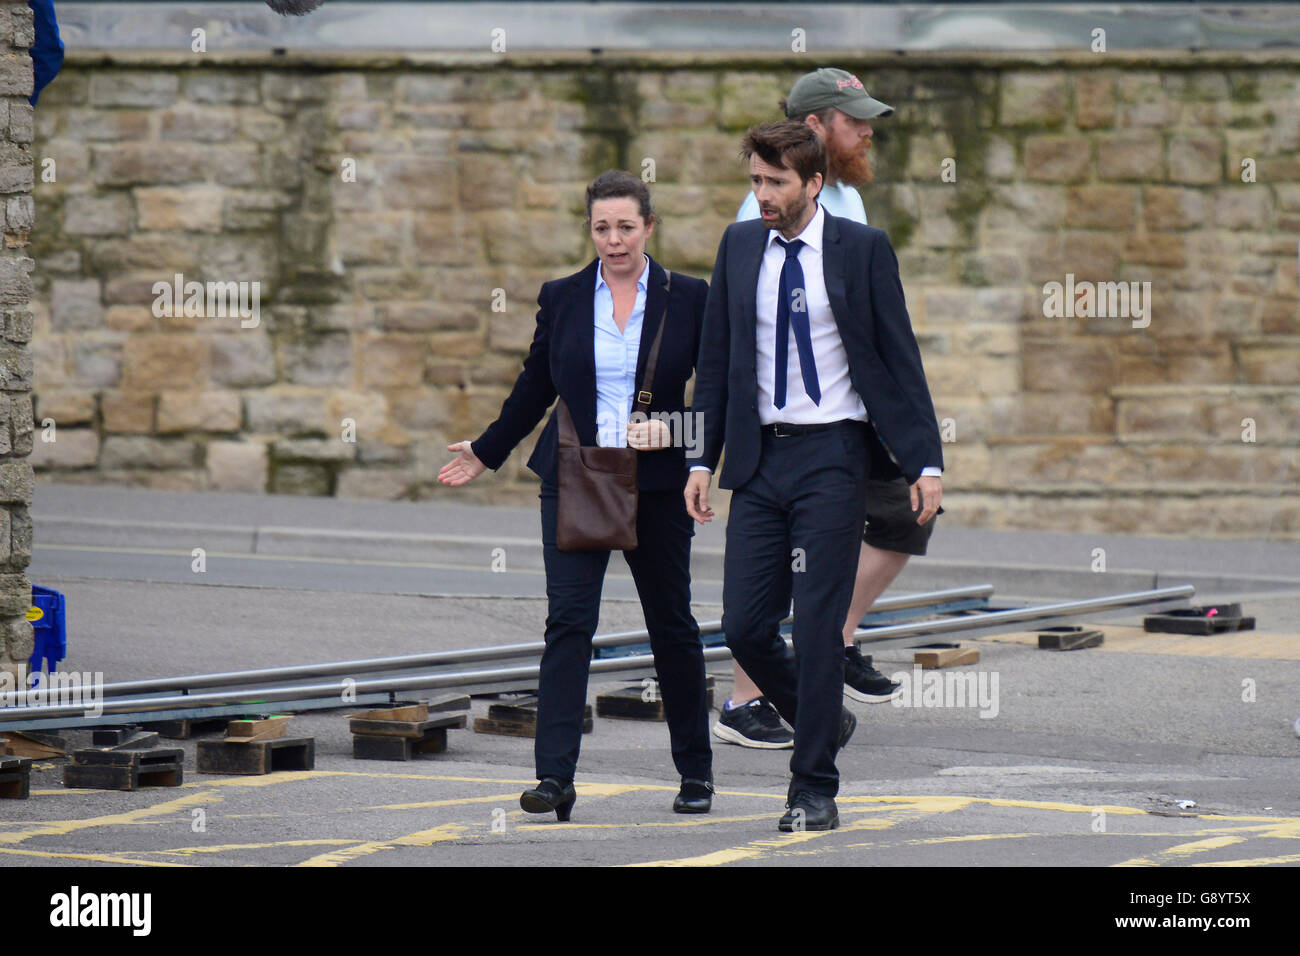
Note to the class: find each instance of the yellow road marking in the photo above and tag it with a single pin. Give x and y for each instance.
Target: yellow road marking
(88, 857)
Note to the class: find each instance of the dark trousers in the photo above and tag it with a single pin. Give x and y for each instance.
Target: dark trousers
(794, 531)
(660, 566)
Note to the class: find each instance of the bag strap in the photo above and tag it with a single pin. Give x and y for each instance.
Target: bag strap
(568, 435)
(644, 396)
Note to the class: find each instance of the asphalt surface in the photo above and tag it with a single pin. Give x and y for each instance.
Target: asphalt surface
(1080, 759)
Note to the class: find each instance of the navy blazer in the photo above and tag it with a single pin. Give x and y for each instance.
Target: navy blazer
(562, 360)
(866, 298)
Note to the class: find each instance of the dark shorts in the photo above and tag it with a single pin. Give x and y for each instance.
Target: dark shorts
(891, 522)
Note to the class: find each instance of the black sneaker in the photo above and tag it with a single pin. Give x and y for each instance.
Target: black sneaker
(864, 683)
(756, 724)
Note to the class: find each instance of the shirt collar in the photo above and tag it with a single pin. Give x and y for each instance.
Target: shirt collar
(642, 280)
(811, 235)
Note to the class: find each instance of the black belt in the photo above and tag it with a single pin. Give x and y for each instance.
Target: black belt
(788, 430)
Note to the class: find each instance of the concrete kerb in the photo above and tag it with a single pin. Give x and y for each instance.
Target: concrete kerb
(467, 551)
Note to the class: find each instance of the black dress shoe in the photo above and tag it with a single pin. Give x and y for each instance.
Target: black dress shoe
(809, 811)
(848, 724)
(548, 795)
(696, 796)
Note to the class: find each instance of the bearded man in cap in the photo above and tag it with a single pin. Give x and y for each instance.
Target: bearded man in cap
(837, 107)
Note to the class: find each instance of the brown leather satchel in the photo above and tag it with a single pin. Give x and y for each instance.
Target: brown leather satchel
(597, 503)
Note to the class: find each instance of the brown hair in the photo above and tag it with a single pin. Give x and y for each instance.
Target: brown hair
(616, 184)
(789, 144)
(824, 115)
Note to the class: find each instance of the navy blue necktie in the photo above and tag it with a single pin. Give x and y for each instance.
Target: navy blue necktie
(792, 309)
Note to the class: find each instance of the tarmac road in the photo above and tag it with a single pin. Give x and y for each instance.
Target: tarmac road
(1079, 759)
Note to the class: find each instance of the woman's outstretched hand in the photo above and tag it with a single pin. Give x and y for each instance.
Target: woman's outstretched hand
(465, 467)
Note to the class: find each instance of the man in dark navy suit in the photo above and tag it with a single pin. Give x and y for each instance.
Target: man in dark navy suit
(806, 344)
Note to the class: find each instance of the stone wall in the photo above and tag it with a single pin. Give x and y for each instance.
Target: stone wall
(16, 331)
(398, 216)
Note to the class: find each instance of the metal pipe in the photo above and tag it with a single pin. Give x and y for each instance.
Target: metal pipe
(256, 697)
(892, 634)
(1035, 612)
(462, 656)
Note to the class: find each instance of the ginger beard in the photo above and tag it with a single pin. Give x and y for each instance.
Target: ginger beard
(850, 165)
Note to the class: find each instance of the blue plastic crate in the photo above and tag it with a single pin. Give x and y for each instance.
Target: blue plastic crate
(49, 617)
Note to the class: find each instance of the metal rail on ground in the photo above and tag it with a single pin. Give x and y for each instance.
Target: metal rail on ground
(349, 692)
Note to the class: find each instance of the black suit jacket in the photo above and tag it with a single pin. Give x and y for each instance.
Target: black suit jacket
(866, 298)
(562, 360)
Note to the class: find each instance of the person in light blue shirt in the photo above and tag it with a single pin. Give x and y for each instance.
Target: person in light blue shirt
(595, 332)
(838, 108)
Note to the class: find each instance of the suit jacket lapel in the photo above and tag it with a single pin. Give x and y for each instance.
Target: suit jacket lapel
(833, 274)
(751, 258)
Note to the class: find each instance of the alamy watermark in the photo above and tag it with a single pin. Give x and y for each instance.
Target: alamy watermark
(1098, 300)
(83, 689)
(932, 688)
(210, 300)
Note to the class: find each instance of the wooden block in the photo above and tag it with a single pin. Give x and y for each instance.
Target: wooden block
(255, 757)
(449, 702)
(262, 728)
(186, 727)
(32, 744)
(631, 703)
(124, 769)
(520, 728)
(1193, 621)
(930, 658)
(368, 747)
(15, 778)
(403, 712)
(123, 738)
(1068, 638)
(522, 710)
(414, 729)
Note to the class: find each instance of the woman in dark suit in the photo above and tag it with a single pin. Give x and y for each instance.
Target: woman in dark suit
(594, 331)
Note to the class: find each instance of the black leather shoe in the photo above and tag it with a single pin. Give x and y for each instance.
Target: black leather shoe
(548, 795)
(809, 811)
(696, 796)
(848, 724)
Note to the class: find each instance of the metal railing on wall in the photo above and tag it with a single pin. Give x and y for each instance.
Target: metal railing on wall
(687, 25)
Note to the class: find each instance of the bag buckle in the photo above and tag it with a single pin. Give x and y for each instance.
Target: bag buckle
(643, 397)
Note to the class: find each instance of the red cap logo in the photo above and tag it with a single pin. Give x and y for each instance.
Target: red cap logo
(852, 81)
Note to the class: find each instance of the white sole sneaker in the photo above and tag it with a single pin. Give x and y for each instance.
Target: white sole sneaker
(723, 732)
(862, 698)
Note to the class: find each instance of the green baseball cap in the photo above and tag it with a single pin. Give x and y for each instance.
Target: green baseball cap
(831, 87)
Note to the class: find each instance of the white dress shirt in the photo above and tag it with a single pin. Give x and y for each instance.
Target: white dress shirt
(839, 399)
(616, 357)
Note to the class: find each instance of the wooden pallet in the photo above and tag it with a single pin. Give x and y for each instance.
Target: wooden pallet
(97, 769)
(641, 701)
(1193, 620)
(255, 757)
(15, 777)
(519, 719)
(420, 737)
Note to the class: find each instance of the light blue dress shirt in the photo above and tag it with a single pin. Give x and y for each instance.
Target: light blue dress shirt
(616, 357)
